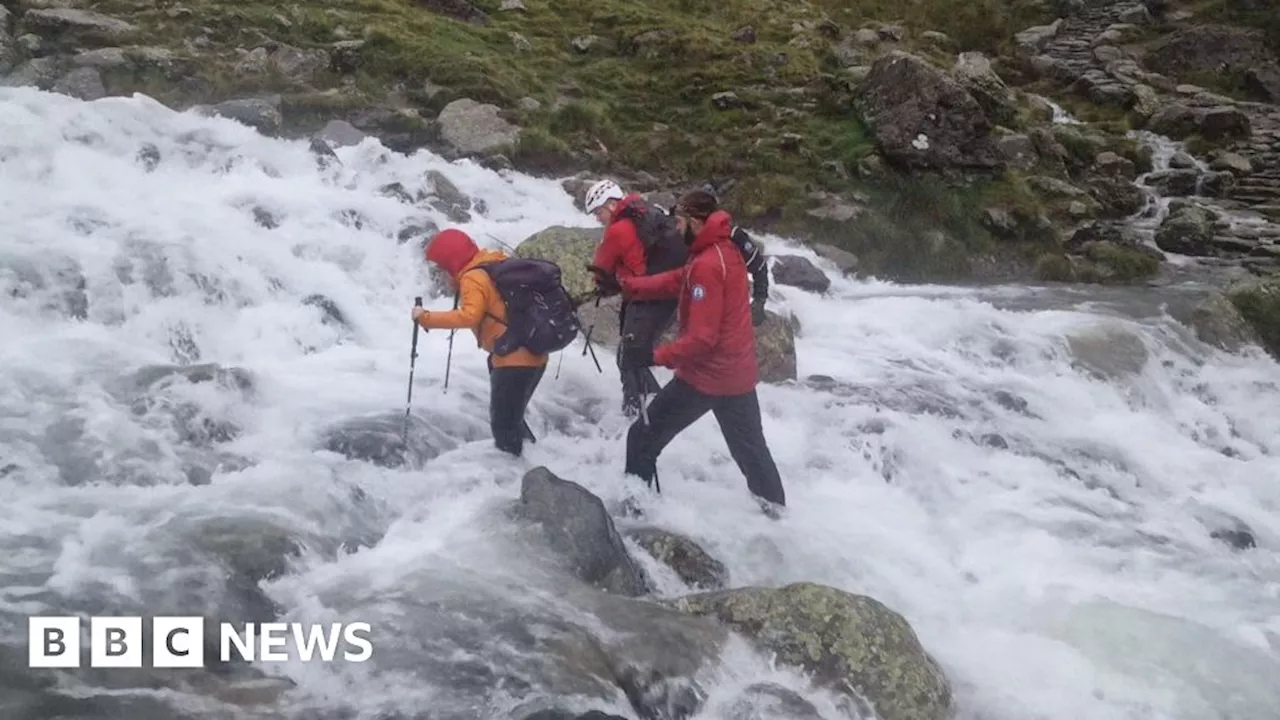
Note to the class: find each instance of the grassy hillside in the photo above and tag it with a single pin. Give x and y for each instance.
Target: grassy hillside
(637, 89)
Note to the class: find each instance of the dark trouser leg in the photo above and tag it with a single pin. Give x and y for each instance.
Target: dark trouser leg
(642, 324)
(510, 390)
(739, 418)
(676, 407)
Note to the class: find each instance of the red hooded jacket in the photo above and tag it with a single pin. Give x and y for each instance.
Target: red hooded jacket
(716, 349)
(621, 253)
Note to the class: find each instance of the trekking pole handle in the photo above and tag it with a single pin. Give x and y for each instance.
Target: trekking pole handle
(417, 302)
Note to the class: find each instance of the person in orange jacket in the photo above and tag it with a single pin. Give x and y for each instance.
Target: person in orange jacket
(513, 377)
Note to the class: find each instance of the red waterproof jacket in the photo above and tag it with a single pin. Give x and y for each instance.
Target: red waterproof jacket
(620, 252)
(716, 349)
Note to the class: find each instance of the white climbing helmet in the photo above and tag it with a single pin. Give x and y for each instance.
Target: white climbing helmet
(601, 193)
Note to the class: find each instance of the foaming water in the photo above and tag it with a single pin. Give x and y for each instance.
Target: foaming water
(1030, 476)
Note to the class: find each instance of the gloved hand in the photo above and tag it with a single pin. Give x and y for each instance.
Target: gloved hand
(418, 314)
(605, 281)
(637, 358)
(757, 311)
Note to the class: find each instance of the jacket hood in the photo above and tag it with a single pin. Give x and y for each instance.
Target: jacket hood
(718, 227)
(452, 250)
(483, 257)
(622, 205)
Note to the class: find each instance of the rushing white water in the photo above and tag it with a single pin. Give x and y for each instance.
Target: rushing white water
(1030, 476)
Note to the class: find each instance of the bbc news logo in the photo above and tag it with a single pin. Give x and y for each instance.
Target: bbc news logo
(178, 642)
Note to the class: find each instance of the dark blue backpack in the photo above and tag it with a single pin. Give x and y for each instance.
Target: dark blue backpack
(540, 314)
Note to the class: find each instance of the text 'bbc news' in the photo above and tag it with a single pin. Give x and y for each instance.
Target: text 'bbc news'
(178, 642)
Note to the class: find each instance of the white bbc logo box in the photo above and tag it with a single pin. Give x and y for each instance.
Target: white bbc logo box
(176, 642)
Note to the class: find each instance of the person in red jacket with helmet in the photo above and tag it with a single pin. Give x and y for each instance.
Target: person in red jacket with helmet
(714, 357)
(639, 239)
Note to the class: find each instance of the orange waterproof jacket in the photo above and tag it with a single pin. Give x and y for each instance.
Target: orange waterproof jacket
(480, 305)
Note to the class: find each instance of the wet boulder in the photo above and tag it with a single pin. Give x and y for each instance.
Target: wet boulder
(381, 439)
(851, 643)
(579, 529)
(1217, 322)
(799, 271)
(766, 701)
(692, 564)
(776, 348)
(1258, 300)
(1187, 231)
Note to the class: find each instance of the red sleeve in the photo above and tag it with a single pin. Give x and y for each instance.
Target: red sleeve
(706, 308)
(661, 286)
(621, 252)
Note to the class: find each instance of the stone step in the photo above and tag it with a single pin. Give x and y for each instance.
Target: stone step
(1266, 251)
(1255, 198)
(1268, 211)
(1235, 245)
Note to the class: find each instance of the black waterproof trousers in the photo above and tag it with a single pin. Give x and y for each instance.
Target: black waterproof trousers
(510, 389)
(679, 405)
(642, 324)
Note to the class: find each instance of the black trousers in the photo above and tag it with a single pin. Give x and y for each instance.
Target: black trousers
(510, 389)
(679, 405)
(642, 324)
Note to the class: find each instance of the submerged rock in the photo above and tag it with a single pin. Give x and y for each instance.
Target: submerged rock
(381, 440)
(579, 529)
(851, 643)
(695, 566)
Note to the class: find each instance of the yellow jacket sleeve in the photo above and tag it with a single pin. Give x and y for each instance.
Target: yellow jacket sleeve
(472, 302)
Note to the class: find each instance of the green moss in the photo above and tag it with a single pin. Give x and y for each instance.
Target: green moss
(1054, 267)
(1122, 264)
(1259, 302)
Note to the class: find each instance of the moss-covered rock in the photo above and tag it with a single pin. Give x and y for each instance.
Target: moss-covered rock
(1218, 322)
(848, 642)
(1258, 301)
(695, 566)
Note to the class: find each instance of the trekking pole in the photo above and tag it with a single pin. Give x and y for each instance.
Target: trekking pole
(448, 361)
(413, 361)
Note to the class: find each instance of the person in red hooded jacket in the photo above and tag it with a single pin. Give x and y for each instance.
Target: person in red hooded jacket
(714, 357)
(512, 377)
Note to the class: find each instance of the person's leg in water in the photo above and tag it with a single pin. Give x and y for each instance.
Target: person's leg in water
(510, 389)
(674, 408)
(743, 430)
(642, 325)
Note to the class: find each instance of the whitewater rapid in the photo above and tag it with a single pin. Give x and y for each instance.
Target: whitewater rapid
(1030, 476)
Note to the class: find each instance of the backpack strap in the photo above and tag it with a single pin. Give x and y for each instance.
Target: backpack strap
(487, 314)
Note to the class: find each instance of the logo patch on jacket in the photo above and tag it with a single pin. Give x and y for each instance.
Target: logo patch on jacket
(698, 292)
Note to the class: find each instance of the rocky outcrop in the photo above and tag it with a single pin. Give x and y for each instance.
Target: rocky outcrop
(1218, 50)
(851, 643)
(921, 118)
